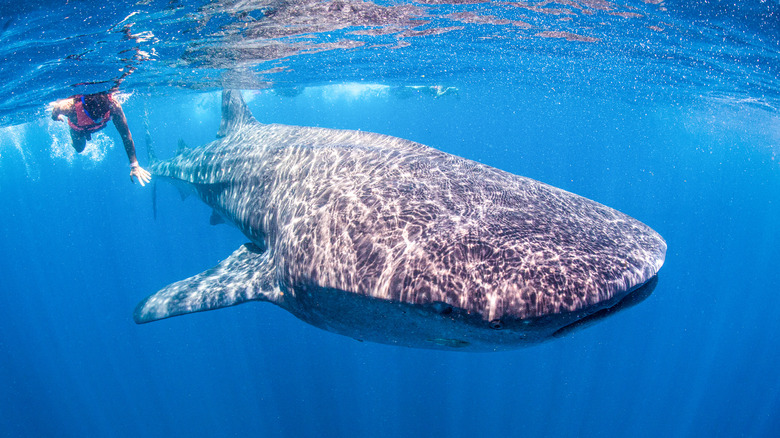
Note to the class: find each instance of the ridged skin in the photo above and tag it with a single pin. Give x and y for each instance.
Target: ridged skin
(397, 221)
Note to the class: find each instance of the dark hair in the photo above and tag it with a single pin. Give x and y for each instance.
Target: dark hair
(97, 105)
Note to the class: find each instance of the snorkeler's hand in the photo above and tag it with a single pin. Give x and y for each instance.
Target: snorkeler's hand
(139, 172)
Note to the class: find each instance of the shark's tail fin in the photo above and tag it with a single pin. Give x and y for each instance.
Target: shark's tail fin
(150, 155)
(234, 113)
(151, 158)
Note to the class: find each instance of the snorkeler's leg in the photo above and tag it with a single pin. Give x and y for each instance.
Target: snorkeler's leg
(79, 141)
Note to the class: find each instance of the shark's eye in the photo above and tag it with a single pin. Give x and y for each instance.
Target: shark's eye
(496, 324)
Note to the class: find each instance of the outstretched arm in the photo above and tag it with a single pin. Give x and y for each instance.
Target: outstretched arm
(120, 121)
(61, 107)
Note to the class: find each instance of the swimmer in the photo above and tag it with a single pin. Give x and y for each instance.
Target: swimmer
(89, 113)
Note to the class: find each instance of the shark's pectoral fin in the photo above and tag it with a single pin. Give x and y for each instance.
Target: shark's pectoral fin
(247, 275)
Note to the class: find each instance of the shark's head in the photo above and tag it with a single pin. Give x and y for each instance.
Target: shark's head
(497, 289)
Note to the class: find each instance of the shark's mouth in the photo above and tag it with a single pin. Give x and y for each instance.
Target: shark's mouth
(631, 299)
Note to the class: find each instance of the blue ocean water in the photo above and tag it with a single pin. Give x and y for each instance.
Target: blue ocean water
(665, 110)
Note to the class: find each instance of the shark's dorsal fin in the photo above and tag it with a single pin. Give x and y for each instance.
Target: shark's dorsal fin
(234, 113)
(181, 147)
(247, 275)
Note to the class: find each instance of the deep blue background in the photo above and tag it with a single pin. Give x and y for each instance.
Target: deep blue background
(79, 248)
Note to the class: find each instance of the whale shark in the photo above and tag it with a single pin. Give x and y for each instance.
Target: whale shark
(387, 240)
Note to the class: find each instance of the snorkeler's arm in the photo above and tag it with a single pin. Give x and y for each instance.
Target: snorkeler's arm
(61, 107)
(120, 121)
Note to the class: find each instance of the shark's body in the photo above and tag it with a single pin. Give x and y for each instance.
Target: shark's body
(387, 240)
